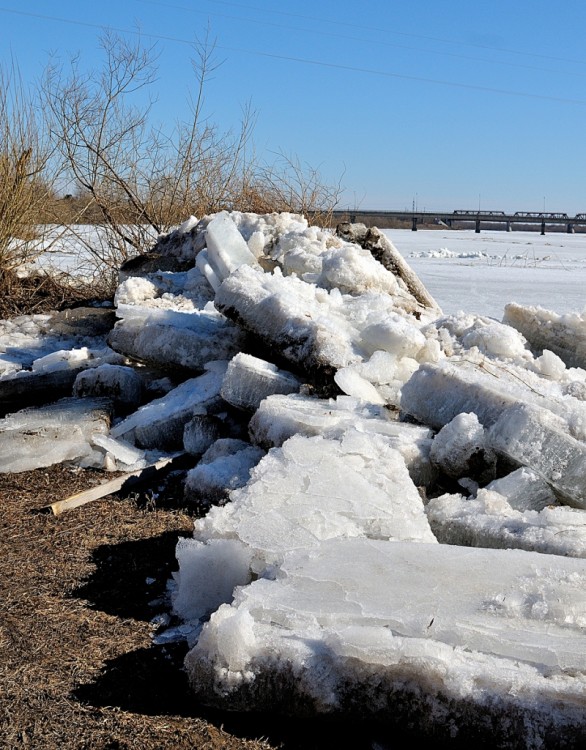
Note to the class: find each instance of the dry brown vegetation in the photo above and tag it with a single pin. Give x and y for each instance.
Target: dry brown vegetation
(76, 665)
(93, 132)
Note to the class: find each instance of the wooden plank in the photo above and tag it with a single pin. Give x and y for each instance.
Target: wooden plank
(122, 482)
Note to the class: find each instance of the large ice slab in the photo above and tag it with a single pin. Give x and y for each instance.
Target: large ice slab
(280, 417)
(226, 247)
(309, 490)
(524, 490)
(249, 380)
(537, 438)
(489, 520)
(120, 383)
(37, 437)
(565, 335)
(476, 644)
(168, 339)
(436, 393)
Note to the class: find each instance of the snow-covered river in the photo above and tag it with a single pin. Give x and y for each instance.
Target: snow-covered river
(480, 273)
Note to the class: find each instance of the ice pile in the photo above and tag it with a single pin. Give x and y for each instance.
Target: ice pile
(366, 466)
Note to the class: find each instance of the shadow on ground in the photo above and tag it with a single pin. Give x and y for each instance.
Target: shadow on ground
(151, 681)
(130, 576)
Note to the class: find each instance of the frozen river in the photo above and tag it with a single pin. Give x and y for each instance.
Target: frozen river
(480, 273)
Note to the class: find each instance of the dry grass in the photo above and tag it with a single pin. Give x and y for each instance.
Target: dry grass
(77, 668)
(39, 293)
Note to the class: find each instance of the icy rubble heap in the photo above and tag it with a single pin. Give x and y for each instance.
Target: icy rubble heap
(370, 464)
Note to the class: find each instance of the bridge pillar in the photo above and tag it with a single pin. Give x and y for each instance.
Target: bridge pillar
(509, 228)
(414, 224)
(477, 230)
(570, 229)
(543, 227)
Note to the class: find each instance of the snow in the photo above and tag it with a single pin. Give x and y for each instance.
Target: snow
(492, 268)
(394, 473)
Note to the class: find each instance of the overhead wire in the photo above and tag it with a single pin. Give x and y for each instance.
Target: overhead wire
(302, 60)
(379, 30)
(372, 43)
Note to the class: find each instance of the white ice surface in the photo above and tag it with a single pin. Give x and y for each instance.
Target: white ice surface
(495, 633)
(490, 269)
(310, 490)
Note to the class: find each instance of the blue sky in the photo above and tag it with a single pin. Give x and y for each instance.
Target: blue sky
(450, 104)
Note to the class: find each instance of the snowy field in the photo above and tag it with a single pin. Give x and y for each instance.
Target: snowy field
(480, 273)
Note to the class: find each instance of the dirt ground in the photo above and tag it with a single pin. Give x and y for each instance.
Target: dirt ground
(78, 591)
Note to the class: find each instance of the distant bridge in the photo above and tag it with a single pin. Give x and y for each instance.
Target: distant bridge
(449, 218)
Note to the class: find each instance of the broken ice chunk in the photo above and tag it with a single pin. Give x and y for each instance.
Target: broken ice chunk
(123, 454)
(353, 270)
(352, 383)
(160, 424)
(524, 490)
(489, 521)
(121, 384)
(63, 431)
(134, 290)
(436, 393)
(396, 335)
(565, 335)
(249, 380)
(204, 266)
(225, 466)
(460, 449)
(536, 438)
(200, 432)
(168, 347)
(226, 247)
(208, 574)
(495, 339)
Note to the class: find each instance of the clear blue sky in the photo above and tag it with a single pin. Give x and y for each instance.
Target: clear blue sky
(450, 104)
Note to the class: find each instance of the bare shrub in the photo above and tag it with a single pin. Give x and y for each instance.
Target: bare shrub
(289, 185)
(26, 182)
(140, 179)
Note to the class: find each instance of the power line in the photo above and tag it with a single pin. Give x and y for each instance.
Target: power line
(305, 61)
(392, 45)
(419, 79)
(393, 31)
